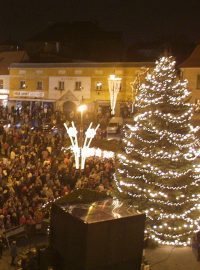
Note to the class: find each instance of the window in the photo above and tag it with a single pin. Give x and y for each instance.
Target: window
(198, 81)
(98, 71)
(98, 86)
(22, 85)
(61, 72)
(39, 85)
(78, 86)
(39, 71)
(1, 84)
(78, 71)
(22, 72)
(61, 85)
(120, 88)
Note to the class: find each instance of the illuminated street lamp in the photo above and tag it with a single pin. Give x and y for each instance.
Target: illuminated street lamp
(81, 108)
(79, 148)
(114, 84)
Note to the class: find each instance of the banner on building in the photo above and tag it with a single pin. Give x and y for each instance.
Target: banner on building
(28, 94)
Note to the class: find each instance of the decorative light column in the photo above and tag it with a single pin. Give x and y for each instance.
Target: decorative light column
(80, 152)
(114, 84)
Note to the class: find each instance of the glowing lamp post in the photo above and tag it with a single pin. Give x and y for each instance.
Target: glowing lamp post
(81, 108)
(114, 84)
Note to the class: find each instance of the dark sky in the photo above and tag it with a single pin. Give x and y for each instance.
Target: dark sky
(137, 19)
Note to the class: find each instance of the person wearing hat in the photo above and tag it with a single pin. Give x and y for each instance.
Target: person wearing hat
(13, 252)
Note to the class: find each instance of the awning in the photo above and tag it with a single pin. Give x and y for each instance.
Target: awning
(32, 99)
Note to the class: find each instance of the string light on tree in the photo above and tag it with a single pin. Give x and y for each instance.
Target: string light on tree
(159, 167)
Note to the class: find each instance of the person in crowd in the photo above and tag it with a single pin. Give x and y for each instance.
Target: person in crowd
(13, 252)
(34, 169)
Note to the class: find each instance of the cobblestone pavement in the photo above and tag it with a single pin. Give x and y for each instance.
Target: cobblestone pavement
(172, 258)
(21, 247)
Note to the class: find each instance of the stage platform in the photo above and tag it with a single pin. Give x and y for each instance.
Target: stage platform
(101, 235)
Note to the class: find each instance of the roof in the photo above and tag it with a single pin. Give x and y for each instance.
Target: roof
(193, 60)
(81, 64)
(70, 31)
(8, 57)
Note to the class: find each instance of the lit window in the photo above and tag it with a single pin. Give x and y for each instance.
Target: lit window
(198, 81)
(22, 85)
(78, 71)
(78, 86)
(1, 84)
(61, 85)
(39, 85)
(99, 86)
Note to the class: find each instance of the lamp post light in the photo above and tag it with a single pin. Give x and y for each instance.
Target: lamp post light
(79, 148)
(81, 108)
(114, 85)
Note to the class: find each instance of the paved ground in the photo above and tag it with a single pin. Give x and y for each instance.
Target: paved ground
(23, 244)
(5, 262)
(162, 258)
(170, 258)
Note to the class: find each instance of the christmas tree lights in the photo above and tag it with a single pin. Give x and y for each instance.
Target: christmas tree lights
(159, 167)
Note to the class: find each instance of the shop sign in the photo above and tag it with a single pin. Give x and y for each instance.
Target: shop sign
(3, 97)
(28, 94)
(4, 91)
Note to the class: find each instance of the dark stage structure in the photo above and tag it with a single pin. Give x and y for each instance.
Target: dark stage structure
(102, 235)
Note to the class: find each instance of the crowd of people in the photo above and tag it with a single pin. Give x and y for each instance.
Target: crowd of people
(34, 168)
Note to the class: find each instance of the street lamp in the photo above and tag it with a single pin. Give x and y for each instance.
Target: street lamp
(81, 108)
(114, 84)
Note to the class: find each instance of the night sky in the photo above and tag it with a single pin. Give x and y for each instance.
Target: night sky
(138, 20)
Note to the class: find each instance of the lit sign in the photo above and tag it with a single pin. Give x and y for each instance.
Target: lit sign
(2, 97)
(28, 94)
(4, 91)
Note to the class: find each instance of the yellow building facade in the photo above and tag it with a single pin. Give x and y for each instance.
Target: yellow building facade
(66, 85)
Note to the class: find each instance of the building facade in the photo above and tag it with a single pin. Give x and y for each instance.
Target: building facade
(6, 58)
(66, 85)
(4, 89)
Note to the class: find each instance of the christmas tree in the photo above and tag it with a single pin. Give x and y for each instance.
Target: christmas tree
(159, 166)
